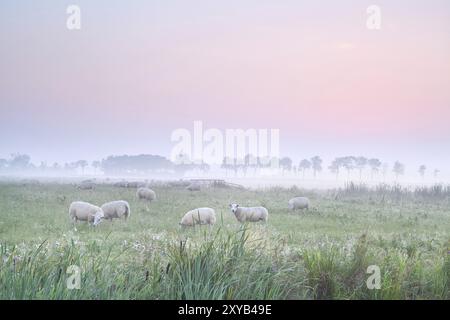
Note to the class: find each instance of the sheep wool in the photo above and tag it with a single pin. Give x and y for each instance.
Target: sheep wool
(199, 216)
(116, 209)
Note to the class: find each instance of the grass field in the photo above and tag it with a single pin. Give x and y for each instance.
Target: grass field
(322, 253)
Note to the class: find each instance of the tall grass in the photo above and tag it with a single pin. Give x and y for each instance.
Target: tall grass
(226, 264)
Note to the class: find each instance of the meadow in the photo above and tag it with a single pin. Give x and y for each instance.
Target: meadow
(322, 253)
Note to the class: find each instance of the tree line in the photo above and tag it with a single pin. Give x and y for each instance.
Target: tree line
(147, 163)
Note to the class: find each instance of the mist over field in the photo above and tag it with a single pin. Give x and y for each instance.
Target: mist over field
(154, 150)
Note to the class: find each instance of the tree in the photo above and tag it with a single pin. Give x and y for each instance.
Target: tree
(385, 169)
(374, 165)
(19, 161)
(422, 170)
(335, 166)
(348, 163)
(304, 165)
(436, 173)
(96, 164)
(316, 163)
(360, 163)
(286, 164)
(250, 161)
(398, 169)
(3, 163)
(82, 164)
(43, 166)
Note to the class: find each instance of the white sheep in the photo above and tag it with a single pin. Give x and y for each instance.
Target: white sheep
(116, 209)
(146, 193)
(199, 216)
(85, 211)
(251, 214)
(298, 203)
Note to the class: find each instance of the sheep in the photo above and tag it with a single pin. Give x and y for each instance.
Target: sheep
(193, 187)
(146, 193)
(298, 203)
(251, 214)
(116, 209)
(85, 211)
(121, 184)
(199, 216)
(86, 186)
(136, 184)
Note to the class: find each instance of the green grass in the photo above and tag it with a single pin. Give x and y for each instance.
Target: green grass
(319, 254)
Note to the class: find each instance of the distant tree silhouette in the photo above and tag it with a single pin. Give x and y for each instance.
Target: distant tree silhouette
(286, 164)
(334, 167)
(398, 169)
(436, 173)
(3, 163)
(96, 164)
(360, 163)
(19, 161)
(43, 166)
(422, 170)
(374, 165)
(385, 170)
(316, 163)
(143, 163)
(82, 164)
(348, 163)
(304, 165)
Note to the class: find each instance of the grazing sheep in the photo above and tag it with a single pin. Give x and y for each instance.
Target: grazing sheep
(251, 214)
(116, 209)
(146, 193)
(193, 187)
(136, 184)
(199, 216)
(298, 203)
(85, 211)
(121, 184)
(86, 186)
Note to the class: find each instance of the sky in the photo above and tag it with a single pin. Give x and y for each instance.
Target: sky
(137, 70)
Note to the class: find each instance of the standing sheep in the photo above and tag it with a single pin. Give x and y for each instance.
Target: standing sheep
(298, 203)
(85, 211)
(199, 216)
(251, 214)
(146, 193)
(116, 209)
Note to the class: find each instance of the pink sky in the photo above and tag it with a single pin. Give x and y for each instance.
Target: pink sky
(137, 71)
